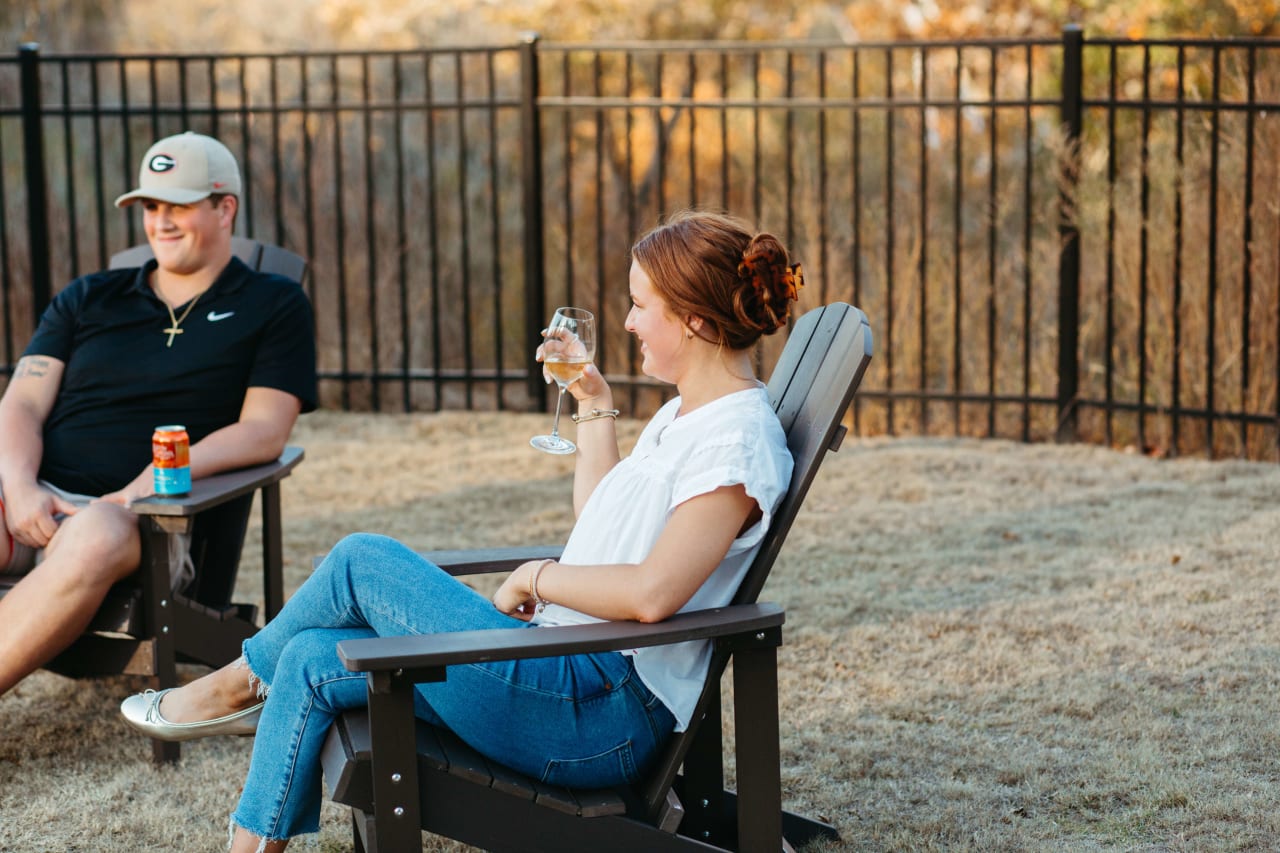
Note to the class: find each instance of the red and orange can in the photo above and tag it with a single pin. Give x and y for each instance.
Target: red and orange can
(171, 460)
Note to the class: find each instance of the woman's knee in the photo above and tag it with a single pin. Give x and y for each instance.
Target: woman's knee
(357, 549)
(303, 651)
(310, 665)
(369, 554)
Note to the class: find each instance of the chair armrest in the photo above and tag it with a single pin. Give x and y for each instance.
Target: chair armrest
(427, 651)
(220, 488)
(477, 561)
(482, 561)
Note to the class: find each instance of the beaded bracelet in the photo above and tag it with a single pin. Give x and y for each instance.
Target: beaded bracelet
(596, 414)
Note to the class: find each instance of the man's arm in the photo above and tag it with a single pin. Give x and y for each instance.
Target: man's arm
(25, 406)
(266, 419)
(259, 436)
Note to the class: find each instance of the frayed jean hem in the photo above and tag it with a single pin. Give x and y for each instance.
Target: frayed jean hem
(263, 841)
(261, 687)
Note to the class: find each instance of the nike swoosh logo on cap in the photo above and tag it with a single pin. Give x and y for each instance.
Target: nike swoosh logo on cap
(214, 316)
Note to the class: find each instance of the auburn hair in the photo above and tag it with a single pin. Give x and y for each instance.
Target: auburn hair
(713, 266)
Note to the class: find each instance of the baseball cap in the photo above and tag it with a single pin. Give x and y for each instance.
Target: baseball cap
(184, 169)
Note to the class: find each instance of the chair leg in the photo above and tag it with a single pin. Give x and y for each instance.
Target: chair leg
(272, 552)
(160, 610)
(163, 752)
(703, 781)
(397, 817)
(357, 837)
(755, 704)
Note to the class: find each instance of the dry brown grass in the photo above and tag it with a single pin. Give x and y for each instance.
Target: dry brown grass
(990, 646)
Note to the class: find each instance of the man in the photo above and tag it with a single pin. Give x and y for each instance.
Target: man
(194, 337)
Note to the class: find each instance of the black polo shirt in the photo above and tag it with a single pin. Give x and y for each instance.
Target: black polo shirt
(248, 329)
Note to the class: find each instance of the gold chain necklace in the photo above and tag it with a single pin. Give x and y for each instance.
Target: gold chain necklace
(176, 322)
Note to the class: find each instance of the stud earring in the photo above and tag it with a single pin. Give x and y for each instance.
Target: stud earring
(688, 333)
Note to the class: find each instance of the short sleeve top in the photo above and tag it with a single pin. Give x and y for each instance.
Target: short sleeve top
(249, 329)
(733, 440)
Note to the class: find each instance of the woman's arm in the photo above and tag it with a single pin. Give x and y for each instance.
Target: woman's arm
(693, 543)
(597, 439)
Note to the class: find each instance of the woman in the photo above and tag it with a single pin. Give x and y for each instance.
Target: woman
(672, 527)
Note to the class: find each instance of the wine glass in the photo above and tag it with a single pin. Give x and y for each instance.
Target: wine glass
(569, 346)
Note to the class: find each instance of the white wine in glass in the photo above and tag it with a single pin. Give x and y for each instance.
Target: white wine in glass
(569, 346)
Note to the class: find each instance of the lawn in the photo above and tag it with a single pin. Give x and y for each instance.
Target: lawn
(989, 645)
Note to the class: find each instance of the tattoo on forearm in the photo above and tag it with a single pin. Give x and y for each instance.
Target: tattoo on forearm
(31, 365)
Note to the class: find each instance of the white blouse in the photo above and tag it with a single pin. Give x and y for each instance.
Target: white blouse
(733, 440)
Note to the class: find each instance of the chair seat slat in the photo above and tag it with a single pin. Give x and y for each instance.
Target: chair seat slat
(464, 761)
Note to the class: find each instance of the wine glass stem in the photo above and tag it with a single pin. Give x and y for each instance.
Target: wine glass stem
(555, 425)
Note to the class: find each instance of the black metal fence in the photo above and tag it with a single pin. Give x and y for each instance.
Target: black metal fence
(1052, 237)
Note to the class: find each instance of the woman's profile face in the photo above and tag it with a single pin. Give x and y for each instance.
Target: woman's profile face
(660, 334)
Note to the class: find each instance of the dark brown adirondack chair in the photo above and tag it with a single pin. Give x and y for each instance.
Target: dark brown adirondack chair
(142, 628)
(401, 776)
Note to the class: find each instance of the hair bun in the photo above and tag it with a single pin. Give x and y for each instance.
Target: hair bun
(708, 265)
(773, 283)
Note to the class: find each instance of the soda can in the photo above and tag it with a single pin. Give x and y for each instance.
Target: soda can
(171, 460)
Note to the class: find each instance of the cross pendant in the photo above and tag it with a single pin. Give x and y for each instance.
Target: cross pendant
(171, 331)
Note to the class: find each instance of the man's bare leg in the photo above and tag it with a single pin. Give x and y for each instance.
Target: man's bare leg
(52, 605)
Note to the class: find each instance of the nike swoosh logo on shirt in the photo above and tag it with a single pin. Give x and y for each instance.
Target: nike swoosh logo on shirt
(214, 316)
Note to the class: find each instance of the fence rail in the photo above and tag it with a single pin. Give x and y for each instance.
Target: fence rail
(1054, 238)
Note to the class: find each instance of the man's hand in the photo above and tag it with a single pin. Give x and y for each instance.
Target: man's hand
(32, 514)
(142, 486)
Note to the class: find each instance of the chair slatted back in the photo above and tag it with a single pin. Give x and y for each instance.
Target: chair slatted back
(811, 387)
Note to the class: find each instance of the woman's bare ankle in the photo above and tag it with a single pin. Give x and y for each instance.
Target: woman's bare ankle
(224, 691)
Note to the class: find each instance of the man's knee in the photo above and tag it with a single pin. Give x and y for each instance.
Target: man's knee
(100, 539)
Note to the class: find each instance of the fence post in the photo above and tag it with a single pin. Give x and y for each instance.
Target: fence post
(531, 177)
(1069, 234)
(37, 198)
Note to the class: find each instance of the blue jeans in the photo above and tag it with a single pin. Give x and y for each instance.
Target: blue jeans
(580, 721)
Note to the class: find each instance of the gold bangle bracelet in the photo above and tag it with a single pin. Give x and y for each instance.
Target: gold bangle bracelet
(539, 603)
(596, 414)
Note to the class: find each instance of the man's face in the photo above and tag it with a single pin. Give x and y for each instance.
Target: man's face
(187, 238)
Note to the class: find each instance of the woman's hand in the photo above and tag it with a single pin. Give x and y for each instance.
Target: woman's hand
(514, 597)
(589, 387)
(592, 388)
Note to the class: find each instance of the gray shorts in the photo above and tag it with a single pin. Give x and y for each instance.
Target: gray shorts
(25, 558)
